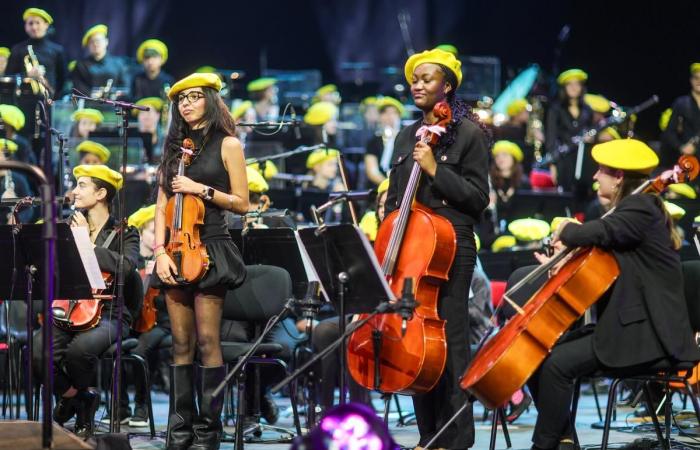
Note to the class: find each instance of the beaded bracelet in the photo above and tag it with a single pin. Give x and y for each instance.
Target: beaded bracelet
(161, 253)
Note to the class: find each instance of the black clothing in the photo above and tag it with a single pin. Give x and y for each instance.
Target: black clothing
(89, 73)
(24, 151)
(458, 192)
(516, 134)
(142, 86)
(272, 218)
(22, 188)
(683, 126)
(505, 200)
(50, 55)
(561, 128)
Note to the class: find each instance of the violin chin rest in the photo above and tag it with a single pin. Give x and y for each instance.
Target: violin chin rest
(59, 313)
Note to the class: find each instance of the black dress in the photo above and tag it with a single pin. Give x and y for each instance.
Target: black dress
(225, 262)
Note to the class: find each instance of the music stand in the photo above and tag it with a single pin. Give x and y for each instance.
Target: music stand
(349, 271)
(24, 268)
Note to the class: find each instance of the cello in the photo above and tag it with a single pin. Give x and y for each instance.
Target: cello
(506, 361)
(412, 243)
(184, 214)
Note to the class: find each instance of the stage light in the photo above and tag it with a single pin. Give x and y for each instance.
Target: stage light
(348, 427)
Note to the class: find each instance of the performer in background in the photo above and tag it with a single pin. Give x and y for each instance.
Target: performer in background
(13, 120)
(151, 81)
(455, 185)
(195, 310)
(4, 56)
(682, 134)
(567, 117)
(96, 71)
(380, 147)
(76, 353)
(643, 318)
(51, 56)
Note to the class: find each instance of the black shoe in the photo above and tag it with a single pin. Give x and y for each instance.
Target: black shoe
(517, 409)
(124, 416)
(88, 401)
(269, 410)
(568, 444)
(140, 417)
(207, 427)
(64, 410)
(182, 407)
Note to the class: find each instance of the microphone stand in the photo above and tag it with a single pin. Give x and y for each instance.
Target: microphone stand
(122, 109)
(296, 151)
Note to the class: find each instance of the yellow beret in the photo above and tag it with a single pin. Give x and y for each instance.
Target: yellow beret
(675, 211)
(383, 102)
(206, 69)
(683, 189)
(239, 110)
(256, 182)
(509, 147)
(502, 243)
(697, 219)
(595, 186)
(626, 154)
(369, 225)
(155, 103)
(142, 216)
(155, 45)
(665, 119)
(88, 113)
(8, 145)
(37, 13)
(598, 103)
(516, 107)
(270, 169)
(97, 29)
(13, 116)
(383, 187)
(477, 241)
(371, 100)
(695, 67)
(100, 172)
(260, 84)
(4, 51)
(71, 65)
(449, 48)
(197, 79)
(612, 132)
(326, 89)
(320, 113)
(572, 75)
(528, 230)
(435, 56)
(95, 148)
(558, 220)
(319, 156)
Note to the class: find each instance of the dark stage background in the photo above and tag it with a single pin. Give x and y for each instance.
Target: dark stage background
(630, 49)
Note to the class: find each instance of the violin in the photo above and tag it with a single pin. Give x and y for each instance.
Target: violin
(412, 243)
(82, 314)
(147, 319)
(505, 362)
(184, 215)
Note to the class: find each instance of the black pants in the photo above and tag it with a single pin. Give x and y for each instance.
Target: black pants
(75, 354)
(148, 349)
(433, 409)
(324, 334)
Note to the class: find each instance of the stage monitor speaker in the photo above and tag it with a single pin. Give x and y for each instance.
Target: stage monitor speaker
(23, 434)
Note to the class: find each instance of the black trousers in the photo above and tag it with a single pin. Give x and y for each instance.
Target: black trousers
(433, 409)
(148, 349)
(76, 354)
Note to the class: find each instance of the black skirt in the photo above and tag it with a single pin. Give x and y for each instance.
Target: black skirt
(226, 268)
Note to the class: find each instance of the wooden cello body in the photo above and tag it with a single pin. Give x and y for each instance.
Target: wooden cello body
(412, 242)
(506, 361)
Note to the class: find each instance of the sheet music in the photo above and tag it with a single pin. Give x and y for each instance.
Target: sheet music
(311, 274)
(87, 256)
(370, 251)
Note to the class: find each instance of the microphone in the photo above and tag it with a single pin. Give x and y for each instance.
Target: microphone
(37, 121)
(407, 304)
(352, 195)
(297, 132)
(309, 306)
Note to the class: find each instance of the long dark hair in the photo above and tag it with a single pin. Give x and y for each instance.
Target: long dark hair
(499, 182)
(216, 118)
(460, 110)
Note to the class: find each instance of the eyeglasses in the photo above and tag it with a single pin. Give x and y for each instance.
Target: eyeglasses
(191, 97)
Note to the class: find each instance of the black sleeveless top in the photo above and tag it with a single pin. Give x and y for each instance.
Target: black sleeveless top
(208, 168)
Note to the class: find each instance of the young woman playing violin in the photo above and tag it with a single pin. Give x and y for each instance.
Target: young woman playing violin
(195, 309)
(643, 318)
(76, 353)
(454, 185)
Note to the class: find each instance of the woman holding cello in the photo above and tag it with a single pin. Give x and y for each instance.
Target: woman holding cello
(216, 177)
(453, 185)
(643, 317)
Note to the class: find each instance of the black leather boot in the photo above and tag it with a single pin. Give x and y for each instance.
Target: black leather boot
(207, 427)
(64, 410)
(88, 401)
(182, 407)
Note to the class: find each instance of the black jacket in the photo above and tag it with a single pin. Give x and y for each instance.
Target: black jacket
(49, 54)
(89, 74)
(646, 316)
(459, 191)
(683, 126)
(561, 127)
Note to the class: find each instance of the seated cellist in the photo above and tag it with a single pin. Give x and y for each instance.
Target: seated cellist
(643, 318)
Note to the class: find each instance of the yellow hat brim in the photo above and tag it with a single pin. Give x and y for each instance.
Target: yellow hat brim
(502, 243)
(383, 187)
(256, 182)
(155, 103)
(434, 56)
(675, 211)
(572, 75)
(88, 113)
(4, 51)
(12, 116)
(152, 44)
(8, 145)
(509, 147)
(241, 109)
(516, 107)
(260, 84)
(598, 103)
(528, 230)
(100, 172)
(320, 113)
(326, 89)
(96, 149)
(37, 12)
(384, 102)
(210, 80)
(97, 29)
(683, 189)
(320, 156)
(270, 169)
(142, 216)
(695, 67)
(626, 154)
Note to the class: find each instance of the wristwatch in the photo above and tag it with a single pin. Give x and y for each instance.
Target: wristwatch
(208, 192)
